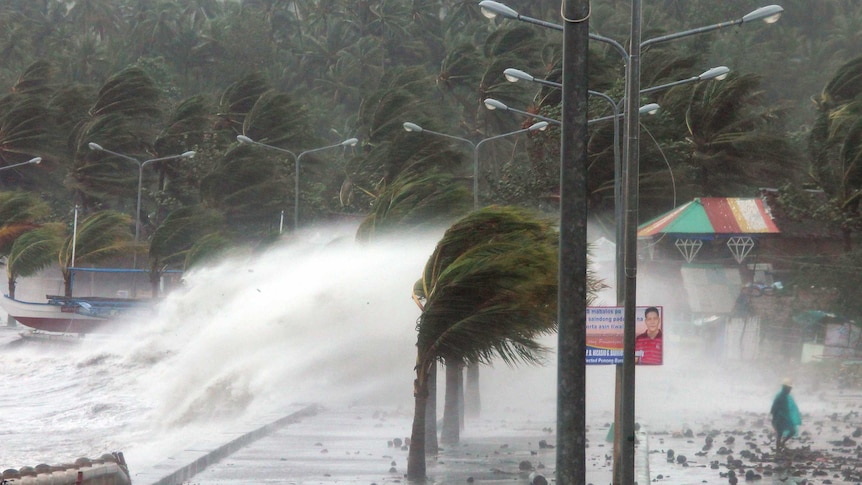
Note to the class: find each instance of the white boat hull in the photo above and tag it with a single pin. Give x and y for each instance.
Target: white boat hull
(53, 317)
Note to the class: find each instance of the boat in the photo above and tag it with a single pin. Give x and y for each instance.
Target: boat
(82, 314)
(72, 315)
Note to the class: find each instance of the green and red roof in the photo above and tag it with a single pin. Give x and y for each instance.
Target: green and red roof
(713, 216)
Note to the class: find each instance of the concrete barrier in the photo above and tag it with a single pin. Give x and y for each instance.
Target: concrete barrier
(642, 473)
(108, 470)
(180, 468)
(111, 469)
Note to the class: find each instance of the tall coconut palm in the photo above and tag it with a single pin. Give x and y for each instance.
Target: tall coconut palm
(488, 290)
(99, 236)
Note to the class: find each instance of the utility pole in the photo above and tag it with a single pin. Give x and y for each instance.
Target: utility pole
(572, 297)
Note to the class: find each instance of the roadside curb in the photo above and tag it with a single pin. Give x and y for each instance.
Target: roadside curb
(184, 465)
(642, 459)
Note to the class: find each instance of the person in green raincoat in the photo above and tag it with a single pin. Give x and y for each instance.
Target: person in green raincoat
(785, 415)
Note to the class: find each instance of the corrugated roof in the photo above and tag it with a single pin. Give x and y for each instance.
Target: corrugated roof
(712, 216)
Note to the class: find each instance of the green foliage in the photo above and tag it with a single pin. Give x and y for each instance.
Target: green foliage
(249, 186)
(141, 79)
(20, 212)
(835, 147)
(34, 251)
(489, 289)
(207, 249)
(130, 92)
(181, 231)
(415, 201)
(100, 236)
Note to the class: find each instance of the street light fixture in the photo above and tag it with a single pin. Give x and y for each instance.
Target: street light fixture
(768, 14)
(141, 165)
(32, 161)
(538, 126)
(627, 292)
(493, 104)
(718, 73)
(296, 158)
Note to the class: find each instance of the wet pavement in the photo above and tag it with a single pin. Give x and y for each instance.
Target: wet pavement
(364, 445)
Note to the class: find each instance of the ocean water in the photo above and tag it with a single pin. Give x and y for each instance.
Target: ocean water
(318, 318)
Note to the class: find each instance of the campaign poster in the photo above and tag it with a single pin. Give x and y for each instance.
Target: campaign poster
(605, 335)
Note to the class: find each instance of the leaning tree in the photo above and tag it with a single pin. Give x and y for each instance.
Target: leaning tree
(488, 290)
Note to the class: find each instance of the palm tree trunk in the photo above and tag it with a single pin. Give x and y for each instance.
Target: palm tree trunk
(11, 285)
(461, 398)
(67, 284)
(432, 447)
(472, 399)
(155, 277)
(451, 432)
(416, 453)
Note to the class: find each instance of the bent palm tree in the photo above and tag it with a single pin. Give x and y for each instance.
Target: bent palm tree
(488, 290)
(174, 238)
(19, 213)
(415, 201)
(99, 236)
(33, 251)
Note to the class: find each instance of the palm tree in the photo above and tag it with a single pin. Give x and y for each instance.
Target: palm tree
(248, 186)
(122, 119)
(835, 150)
(177, 235)
(99, 236)
(415, 201)
(488, 290)
(734, 142)
(33, 251)
(19, 212)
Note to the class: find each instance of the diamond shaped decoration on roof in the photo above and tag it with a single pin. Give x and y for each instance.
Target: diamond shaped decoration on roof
(688, 248)
(740, 247)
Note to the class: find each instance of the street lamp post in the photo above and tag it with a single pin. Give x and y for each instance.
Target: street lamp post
(296, 158)
(627, 291)
(631, 175)
(539, 126)
(141, 165)
(32, 161)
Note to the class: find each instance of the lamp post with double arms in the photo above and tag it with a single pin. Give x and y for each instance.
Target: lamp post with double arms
(626, 291)
(141, 165)
(296, 158)
(493, 104)
(539, 126)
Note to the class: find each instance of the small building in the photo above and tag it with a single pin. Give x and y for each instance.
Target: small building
(728, 255)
